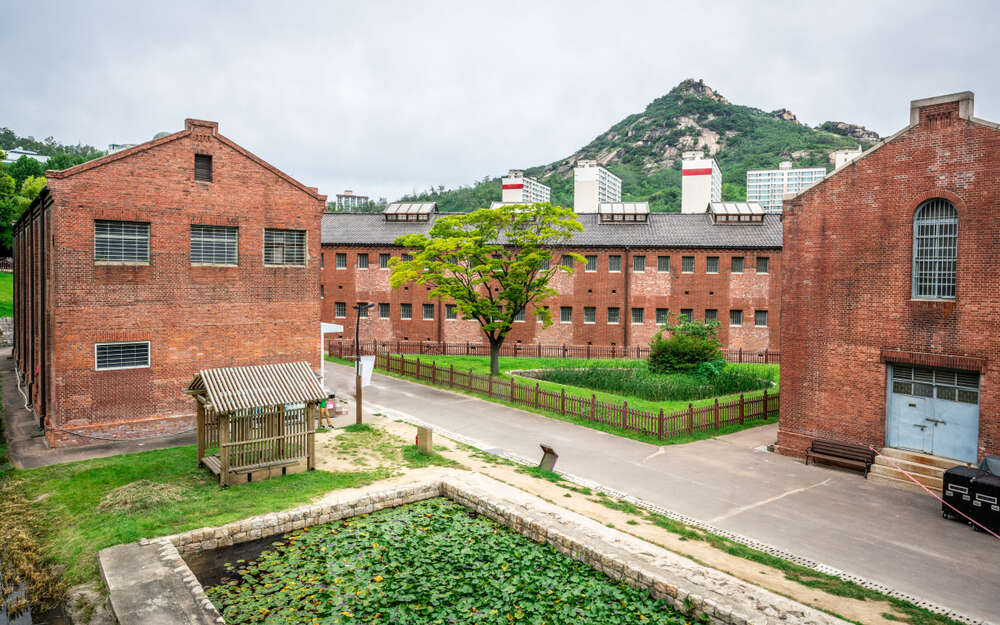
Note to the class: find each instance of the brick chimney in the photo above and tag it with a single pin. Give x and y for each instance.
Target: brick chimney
(941, 110)
(201, 126)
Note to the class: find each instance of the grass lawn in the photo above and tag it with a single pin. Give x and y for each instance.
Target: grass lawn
(6, 294)
(481, 365)
(73, 529)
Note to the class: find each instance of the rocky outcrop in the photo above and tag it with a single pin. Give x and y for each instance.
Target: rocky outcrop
(786, 115)
(850, 130)
(698, 88)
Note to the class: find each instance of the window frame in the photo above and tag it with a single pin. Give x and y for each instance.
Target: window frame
(211, 167)
(123, 261)
(337, 306)
(591, 265)
(235, 241)
(387, 308)
(450, 312)
(617, 315)
(614, 259)
(563, 310)
(590, 315)
(639, 263)
(938, 281)
(739, 312)
(367, 261)
(767, 265)
(665, 317)
(406, 311)
(709, 261)
(383, 260)
(285, 232)
(756, 319)
(337, 258)
(715, 314)
(684, 261)
(423, 312)
(662, 264)
(149, 356)
(641, 314)
(733, 262)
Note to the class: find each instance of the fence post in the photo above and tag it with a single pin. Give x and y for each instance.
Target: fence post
(564, 350)
(513, 381)
(612, 351)
(489, 391)
(451, 376)
(470, 378)
(538, 346)
(690, 418)
(765, 415)
(765, 356)
(467, 348)
(716, 413)
(593, 406)
(418, 367)
(434, 370)
(741, 409)
(562, 401)
(659, 425)
(588, 351)
(624, 414)
(536, 394)
(741, 355)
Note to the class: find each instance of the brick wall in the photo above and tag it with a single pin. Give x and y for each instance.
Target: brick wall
(195, 317)
(846, 289)
(747, 291)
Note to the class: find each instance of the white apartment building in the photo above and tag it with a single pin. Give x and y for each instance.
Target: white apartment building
(766, 186)
(594, 185)
(701, 182)
(519, 189)
(348, 201)
(843, 157)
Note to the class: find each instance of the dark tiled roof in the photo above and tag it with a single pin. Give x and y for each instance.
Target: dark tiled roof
(662, 230)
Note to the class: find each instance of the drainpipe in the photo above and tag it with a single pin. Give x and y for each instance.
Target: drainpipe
(627, 310)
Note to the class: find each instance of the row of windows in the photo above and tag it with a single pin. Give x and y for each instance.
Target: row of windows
(614, 263)
(128, 242)
(565, 314)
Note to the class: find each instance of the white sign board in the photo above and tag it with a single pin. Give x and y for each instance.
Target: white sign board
(367, 367)
(329, 328)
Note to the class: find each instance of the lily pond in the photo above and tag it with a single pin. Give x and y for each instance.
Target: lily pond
(428, 562)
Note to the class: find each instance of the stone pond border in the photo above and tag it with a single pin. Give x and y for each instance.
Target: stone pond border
(149, 582)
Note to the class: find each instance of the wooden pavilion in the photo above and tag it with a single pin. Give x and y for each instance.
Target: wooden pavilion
(260, 421)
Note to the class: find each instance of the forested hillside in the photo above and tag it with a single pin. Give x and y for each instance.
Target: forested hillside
(644, 149)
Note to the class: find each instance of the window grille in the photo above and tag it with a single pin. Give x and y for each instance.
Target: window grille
(737, 264)
(614, 263)
(121, 241)
(406, 311)
(322, 291)
(638, 315)
(213, 245)
(687, 314)
(362, 261)
(383, 311)
(519, 315)
(711, 314)
(735, 317)
(322, 260)
(638, 264)
(363, 310)
(591, 263)
(539, 317)
(428, 312)
(406, 257)
(545, 264)
(449, 312)
(763, 264)
(203, 167)
(341, 260)
(614, 315)
(662, 316)
(383, 261)
(961, 386)
(712, 264)
(340, 310)
(760, 318)
(284, 247)
(935, 250)
(121, 355)
(663, 264)
(687, 264)
(566, 314)
(589, 314)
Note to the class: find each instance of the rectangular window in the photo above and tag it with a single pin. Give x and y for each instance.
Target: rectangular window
(712, 264)
(406, 311)
(566, 260)
(428, 312)
(322, 260)
(589, 314)
(203, 167)
(383, 261)
(735, 317)
(763, 264)
(711, 314)
(383, 311)
(284, 247)
(591, 263)
(614, 315)
(545, 264)
(121, 242)
(760, 318)
(566, 314)
(662, 316)
(519, 315)
(340, 310)
(737, 264)
(687, 314)
(638, 264)
(213, 245)
(638, 315)
(449, 312)
(322, 291)
(614, 263)
(341, 260)
(663, 264)
(406, 257)
(362, 261)
(131, 355)
(363, 310)
(687, 264)
(539, 317)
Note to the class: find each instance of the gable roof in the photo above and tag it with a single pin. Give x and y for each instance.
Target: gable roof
(239, 388)
(190, 125)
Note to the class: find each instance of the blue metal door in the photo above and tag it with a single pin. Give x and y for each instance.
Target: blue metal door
(934, 411)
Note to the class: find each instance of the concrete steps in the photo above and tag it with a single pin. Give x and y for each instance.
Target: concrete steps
(929, 470)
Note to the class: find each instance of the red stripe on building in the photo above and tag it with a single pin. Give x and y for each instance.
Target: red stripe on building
(513, 186)
(697, 172)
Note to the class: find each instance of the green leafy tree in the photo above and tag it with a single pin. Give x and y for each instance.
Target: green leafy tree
(692, 347)
(491, 263)
(31, 187)
(25, 167)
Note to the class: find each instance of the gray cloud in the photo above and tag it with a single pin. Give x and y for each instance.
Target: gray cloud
(387, 97)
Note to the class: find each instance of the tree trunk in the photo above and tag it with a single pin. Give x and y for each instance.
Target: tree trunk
(495, 358)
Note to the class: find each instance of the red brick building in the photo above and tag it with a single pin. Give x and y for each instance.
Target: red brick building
(138, 269)
(891, 294)
(637, 271)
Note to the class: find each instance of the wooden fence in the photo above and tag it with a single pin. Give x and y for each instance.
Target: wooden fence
(659, 424)
(346, 349)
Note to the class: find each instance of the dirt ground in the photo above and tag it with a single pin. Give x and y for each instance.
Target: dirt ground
(381, 448)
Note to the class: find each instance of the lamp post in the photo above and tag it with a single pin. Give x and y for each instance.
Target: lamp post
(357, 358)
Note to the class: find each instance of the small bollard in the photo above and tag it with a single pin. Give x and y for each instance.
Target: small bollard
(425, 441)
(549, 457)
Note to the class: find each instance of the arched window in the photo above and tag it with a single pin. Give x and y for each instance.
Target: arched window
(935, 250)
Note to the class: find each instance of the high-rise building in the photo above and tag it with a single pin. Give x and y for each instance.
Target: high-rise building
(843, 157)
(594, 185)
(701, 182)
(519, 189)
(768, 185)
(348, 201)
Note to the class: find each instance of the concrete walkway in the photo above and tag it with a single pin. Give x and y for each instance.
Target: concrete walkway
(890, 536)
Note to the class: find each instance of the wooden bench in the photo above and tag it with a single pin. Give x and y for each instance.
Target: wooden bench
(841, 454)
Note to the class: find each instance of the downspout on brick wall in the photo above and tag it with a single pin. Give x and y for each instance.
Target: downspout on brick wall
(626, 314)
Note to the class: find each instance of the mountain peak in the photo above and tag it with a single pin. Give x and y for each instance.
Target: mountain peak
(699, 89)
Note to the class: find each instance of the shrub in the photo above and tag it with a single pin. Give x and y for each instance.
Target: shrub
(639, 382)
(691, 347)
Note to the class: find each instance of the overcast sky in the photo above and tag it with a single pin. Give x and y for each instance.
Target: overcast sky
(387, 97)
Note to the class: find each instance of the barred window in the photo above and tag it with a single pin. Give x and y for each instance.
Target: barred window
(362, 310)
(687, 264)
(406, 311)
(121, 242)
(213, 245)
(687, 314)
(383, 261)
(711, 314)
(735, 317)
(546, 264)
(340, 310)
(362, 261)
(449, 312)
(760, 318)
(383, 311)
(763, 264)
(614, 315)
(662, 316)
(638, 264)
(565, 314)
(322, 260)
(663, 264)
(539, 317)
(341, 260)
(712, 264)
(638, 315)
(935, 250)
(591, 263)
(131, 355)
(284, 247)
(589, 314)
(614, 263)
(519, 315)
(406, 257)
(428, 311)
(566, 260)
(203, 167)
(737, 264)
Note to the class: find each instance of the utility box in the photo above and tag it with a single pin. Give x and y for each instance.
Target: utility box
(957, 491)
(985, 505)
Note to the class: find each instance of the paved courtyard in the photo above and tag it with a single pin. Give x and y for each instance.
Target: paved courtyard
(890, 536)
